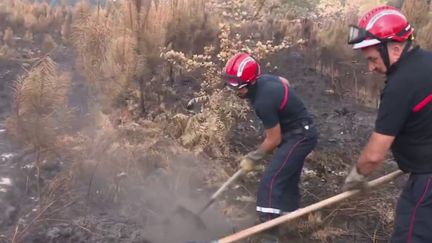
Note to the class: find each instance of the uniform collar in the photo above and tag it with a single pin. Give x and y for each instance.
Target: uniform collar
(252, 90)
(403, 59)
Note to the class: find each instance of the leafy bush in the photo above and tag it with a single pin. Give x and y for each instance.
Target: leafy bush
(209, 129)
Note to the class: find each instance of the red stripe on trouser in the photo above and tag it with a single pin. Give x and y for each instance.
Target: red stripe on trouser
(280, 169)
(413, 215)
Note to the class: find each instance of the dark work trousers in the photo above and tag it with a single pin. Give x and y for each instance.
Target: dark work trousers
(278, 191)
(413, 222)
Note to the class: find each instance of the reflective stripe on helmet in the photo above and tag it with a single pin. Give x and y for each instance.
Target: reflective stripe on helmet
(375, 18)
(243, 65)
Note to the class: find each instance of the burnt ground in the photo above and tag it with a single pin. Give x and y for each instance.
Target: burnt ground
(7, 201)
(87, 212)
(81, 205)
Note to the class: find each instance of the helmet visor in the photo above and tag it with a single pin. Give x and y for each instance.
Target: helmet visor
(234, 82)
(357, 35)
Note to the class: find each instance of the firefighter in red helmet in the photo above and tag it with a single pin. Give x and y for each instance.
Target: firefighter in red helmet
(404, 121)
(289, 131)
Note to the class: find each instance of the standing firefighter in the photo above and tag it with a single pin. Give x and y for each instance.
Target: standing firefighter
(289, 133)
(404, 121)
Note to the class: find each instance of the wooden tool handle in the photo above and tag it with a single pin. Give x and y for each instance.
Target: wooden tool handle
(227, 183)
(306, 210)
(220, 190)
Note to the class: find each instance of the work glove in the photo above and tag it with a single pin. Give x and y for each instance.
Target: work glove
(249, 162)
(355, 180)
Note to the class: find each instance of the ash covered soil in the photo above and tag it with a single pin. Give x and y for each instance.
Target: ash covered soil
(103, 204)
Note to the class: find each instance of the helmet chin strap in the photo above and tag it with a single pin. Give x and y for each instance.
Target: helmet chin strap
(383, 50)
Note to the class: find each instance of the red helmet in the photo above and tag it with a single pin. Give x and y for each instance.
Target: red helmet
(241, 70)
(379, 25)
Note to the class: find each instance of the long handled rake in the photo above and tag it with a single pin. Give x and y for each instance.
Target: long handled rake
(306, 210)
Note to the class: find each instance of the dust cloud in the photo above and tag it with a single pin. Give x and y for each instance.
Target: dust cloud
(164, 204)
(178, 199)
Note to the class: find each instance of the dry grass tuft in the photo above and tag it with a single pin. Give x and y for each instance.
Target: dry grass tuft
(28, 36)
(91, 37)
(7, 52)
(328, 234)
(191, 27)
(417, 12)
(8, 37)
(30, 22)
(424, 36)
(32, 17)
(48, 43)
(209, 130)
(66, 30)
(40, 114)
(81, 10)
